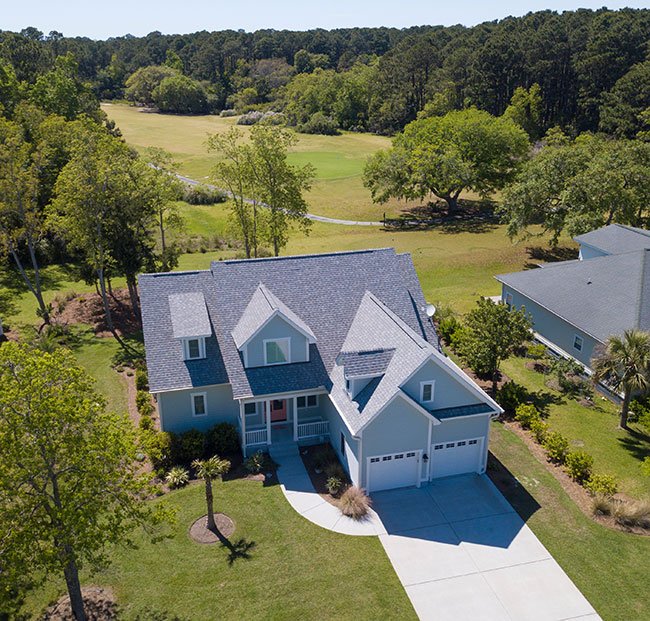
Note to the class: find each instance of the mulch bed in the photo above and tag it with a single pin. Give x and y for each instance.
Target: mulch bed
(89, 309)
(200, 532)
(99, 604)
(319, 481)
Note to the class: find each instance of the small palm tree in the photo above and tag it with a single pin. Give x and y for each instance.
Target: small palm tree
(625, 365)
(209, 470)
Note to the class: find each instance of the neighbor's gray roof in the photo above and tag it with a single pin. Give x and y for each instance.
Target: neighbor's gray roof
(366, 363)
(323, 290)
(601, 296)
(262, 306)
(616, 239)
(189, 315)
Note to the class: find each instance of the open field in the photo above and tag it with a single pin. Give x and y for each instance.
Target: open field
(295, 569)
(338, 190)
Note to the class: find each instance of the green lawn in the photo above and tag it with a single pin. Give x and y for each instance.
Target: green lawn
(296, 569)
(339, 160)
(609, 567)
(593, 429)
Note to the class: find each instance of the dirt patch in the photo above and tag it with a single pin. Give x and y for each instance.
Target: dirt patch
(99, 604)
(575, 491)
(537, 366)
(89, 309)
(200, 532)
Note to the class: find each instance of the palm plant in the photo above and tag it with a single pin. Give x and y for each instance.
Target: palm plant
(625, 365)
(209, 470)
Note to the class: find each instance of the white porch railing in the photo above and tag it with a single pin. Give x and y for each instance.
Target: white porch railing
(316, 428)
(256, 436)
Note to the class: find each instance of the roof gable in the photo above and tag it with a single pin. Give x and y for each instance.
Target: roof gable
(616, 239)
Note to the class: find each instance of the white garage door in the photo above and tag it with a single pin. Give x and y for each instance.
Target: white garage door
(391, 471)
(457, 457)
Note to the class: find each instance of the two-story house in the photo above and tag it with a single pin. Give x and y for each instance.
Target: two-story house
(331, 347)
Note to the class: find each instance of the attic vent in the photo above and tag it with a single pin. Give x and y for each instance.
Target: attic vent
(589, 281)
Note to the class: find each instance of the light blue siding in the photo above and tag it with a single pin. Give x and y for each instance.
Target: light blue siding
(589, 252)
(448, 391)
(553, 328)
(275, 329)
(350, 458)
(460, 428)
(175, 409)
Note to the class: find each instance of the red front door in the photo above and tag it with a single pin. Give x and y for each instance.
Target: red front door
(278, 410)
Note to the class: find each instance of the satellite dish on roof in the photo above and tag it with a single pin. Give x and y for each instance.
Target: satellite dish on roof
(430, 310)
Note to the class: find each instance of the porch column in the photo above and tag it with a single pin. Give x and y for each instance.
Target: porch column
(242, 426)
(268, 421)
(295, 419)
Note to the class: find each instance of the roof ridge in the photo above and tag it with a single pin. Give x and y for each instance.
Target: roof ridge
(265, 290)
(303, 256)
(633, 229)
(399, 322)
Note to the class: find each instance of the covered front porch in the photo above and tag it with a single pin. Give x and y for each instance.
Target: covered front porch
(282, 419)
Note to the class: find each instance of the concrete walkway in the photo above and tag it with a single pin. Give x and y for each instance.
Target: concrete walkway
(309, 216)
(460, 550)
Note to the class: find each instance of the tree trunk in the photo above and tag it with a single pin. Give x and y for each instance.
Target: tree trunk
(133, 295)
(625, 409)
(163, 245)
(209, 501)
(495, 382)
(36, 292)
(452, 204)
(37, 281)
(71, 573)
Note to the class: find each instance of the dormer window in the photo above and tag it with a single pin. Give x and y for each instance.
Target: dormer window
(427, 390)
(194, 349)
(277, 351)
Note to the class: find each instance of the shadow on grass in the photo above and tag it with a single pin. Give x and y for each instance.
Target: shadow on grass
(637, 443)
(543, 400)
(240, 549)
(549, 255)
(515, 493)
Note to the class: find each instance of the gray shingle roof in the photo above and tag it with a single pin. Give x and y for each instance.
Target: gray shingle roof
(616, 239)
(366, 363)
(462, 410)
(601, 296)
(262, 306)
(189, 315)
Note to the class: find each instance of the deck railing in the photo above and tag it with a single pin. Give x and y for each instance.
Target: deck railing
(313, 429)
(256, 436)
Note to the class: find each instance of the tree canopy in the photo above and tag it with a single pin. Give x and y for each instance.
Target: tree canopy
(443, 156)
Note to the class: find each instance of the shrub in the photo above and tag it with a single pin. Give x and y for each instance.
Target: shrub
(158, 447)
(255, 116)
(557, 447)
(177, 477)
(354, 503)
(601, 485)
(228, 113)
(324, 457)
(146, 422)
(141, 380)
(319, 123)
(511, 395)
(334, 485)
(143, 403)
(539, 429)
(203, 195)
(335, 470)
(579, 465)
(222, 439)
(258, 462)
(447, 327)
(536, 351)
(187, 446)
(526, 414)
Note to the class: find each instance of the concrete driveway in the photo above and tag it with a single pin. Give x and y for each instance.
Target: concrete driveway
(463, 554)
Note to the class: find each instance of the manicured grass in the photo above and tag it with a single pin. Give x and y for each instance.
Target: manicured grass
(296, 569)
(338, 190)
(593, 429)
(609, 567)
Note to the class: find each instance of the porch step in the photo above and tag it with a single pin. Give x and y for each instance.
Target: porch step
(283, 449)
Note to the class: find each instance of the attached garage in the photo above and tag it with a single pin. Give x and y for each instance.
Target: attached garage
(394, 470)
(456, 457)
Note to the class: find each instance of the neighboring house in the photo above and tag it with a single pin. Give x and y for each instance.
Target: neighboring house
(576, 305)
(313, 348)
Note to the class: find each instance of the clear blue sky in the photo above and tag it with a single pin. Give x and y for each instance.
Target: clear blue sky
(100, 20)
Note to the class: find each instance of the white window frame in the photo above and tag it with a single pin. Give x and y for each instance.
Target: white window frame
(287, 339)
(431, 383)
(250, 413)
(577, 337)
(205, 403)
(186, 348)
(306, 398)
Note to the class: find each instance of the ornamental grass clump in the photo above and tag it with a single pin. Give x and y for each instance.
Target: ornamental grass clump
(177, 477)
(354, 503)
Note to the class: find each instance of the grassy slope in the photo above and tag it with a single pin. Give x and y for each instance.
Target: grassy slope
(296, 569)
(338, 190)
(594, 430)
(609, 567)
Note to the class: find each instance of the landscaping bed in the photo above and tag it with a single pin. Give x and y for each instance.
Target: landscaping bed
(315, 458)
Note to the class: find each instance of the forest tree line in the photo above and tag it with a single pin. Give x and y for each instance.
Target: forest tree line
(592, 69)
